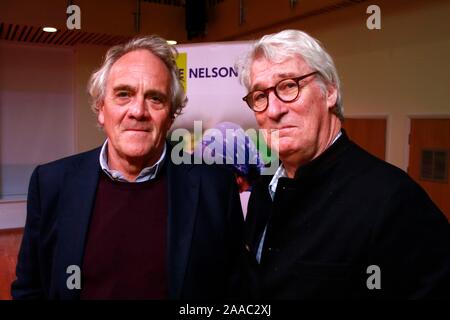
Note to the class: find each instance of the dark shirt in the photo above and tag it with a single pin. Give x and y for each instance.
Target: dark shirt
(125, 256)
(344, 213)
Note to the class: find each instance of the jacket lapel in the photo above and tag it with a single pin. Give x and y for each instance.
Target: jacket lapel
(75, 208)
(258, 215)
(183, 193)
(76, 205)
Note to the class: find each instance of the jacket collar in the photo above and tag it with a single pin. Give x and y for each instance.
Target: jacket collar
(183, 194)
(318, 167)
(315, 171)
(75, 208)
(74, 212)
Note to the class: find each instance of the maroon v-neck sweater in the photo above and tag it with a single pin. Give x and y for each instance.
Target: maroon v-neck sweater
(125, 255)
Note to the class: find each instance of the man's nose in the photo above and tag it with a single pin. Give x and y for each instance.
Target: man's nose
(276, 108)
(138, 108)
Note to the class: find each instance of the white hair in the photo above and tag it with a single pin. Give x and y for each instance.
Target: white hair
(157, 46)
(286, 44)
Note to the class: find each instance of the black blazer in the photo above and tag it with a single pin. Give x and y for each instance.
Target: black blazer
(343, 212)
(205, 227)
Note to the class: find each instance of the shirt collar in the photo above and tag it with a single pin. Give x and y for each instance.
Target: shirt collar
(146, 174)
(281, 173)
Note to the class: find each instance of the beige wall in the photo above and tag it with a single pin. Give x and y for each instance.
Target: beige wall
(401, 70)
(87, 134)
(398, 71)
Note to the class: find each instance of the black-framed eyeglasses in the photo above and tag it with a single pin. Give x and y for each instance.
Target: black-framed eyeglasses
(287, 90)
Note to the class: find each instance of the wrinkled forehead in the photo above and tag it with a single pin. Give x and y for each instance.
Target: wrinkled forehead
(139, 64)
(140, 59)
(265, 70)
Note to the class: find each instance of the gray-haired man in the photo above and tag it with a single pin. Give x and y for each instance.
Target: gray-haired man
(334, 221)
(122, 221)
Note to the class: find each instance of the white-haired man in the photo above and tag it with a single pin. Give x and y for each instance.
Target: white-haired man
(334, 221)
(122, 221)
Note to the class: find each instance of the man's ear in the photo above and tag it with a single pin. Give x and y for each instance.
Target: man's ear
(171, 121)
(101, 115)
(331, 96)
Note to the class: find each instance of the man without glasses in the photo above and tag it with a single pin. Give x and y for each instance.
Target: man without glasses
(137, 226)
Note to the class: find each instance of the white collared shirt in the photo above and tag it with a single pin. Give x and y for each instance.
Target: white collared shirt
(146, 174)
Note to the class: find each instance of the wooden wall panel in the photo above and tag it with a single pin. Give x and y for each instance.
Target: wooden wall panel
(9, 249)
(369, 134)
(430, 134)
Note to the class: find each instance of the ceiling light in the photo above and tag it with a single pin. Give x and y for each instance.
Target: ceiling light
(49, 29)
(171, 42)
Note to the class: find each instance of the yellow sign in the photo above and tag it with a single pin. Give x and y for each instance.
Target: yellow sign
(182, 66)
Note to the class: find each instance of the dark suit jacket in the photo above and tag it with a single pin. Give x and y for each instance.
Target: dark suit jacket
(205, 227)
(343, 212)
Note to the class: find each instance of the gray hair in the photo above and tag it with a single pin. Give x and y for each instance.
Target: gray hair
(157, 46)
(286, 44)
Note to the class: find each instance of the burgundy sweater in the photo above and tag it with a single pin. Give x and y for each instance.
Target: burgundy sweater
(125, 255)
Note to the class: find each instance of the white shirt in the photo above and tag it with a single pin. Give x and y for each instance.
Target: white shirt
(146, 174)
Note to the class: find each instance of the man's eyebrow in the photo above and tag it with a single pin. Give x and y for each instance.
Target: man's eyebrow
(255, 87)
(281, 76)
(278, 77)
(155, 92)
(123, 87)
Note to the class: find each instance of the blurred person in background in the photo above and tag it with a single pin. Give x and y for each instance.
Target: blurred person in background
(227, 144)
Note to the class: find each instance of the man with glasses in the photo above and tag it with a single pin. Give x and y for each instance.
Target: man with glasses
(334, 221)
